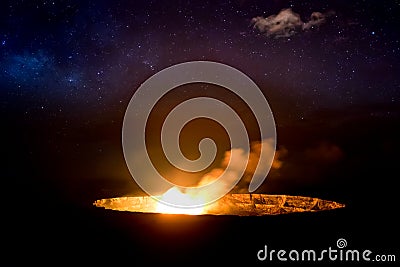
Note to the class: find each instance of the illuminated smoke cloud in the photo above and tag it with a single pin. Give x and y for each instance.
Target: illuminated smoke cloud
(324, 153)
(239, 164)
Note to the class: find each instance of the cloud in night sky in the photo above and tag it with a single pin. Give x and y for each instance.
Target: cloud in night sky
(316, 19)
(287, 23)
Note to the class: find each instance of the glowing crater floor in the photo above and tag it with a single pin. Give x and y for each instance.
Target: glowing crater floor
(232, 204)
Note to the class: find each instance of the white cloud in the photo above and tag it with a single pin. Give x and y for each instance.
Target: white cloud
(287, 23)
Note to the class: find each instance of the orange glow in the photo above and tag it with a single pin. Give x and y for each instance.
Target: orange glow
(231, 204)
(185, 199)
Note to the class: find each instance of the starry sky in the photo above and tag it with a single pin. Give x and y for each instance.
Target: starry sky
(69, 68)
(70, 55)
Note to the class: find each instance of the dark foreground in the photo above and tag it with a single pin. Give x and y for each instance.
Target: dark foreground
(48, 219)
(54, 235)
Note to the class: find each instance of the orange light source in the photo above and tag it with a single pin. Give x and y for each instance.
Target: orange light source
(231, 204)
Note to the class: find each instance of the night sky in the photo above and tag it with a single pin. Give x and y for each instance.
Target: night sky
(69, 68)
